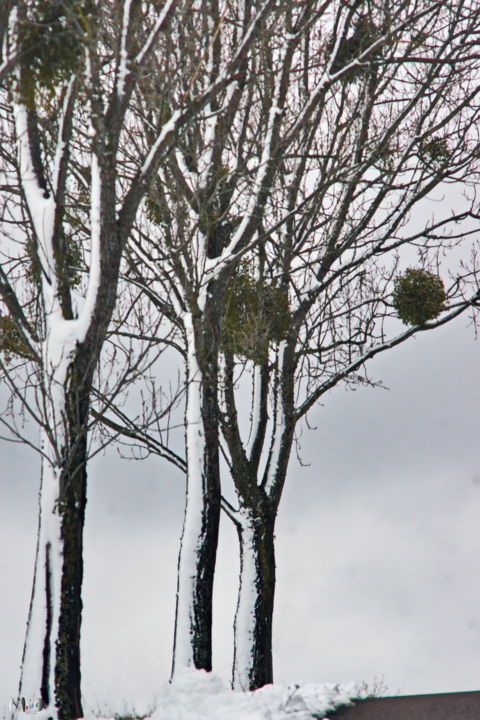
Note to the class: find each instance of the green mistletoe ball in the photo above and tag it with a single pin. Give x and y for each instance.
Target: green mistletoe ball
(11, 342)
(257, 313)
(50, 40)
(418, 296)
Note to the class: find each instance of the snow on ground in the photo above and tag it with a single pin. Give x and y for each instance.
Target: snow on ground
(197, 695)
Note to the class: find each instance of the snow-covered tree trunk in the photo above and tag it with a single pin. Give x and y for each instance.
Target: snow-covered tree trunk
(252, 663)
(196, 564)
(51, 659)
(37, 673)
(258, 501)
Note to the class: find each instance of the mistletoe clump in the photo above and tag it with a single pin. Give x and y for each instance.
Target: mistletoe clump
(50, 41)
(68, 263)
(256, 314)
(418, 296)
(435, 151)
(365, 33)
(11, 342)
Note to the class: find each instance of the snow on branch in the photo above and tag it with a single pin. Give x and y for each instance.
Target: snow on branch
(123, 55)
(160, 23)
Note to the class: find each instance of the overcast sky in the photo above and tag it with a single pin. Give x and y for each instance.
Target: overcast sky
(378, 544)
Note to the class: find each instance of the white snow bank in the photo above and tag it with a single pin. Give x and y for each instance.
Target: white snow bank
(197, 695)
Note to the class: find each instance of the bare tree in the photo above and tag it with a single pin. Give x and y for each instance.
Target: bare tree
(388, 111)
(182, 252)
(273, 236)
(71, 186)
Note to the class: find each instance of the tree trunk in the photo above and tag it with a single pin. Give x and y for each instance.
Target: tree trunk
(258, 501)
(196, 564)
(73, 502)
(51, 657)
(37, 674)
(252, 662)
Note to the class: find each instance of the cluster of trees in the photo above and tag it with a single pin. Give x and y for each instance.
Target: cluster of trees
(241, 183)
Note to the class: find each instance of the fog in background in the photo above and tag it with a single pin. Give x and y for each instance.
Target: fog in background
(378, 543)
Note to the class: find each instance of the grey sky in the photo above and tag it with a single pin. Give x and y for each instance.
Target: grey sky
(377, 544)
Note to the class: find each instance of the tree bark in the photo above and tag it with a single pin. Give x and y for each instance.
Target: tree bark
(73, 493)
(252, 663)
(51, 658)
(196, 564)
(37, 673)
